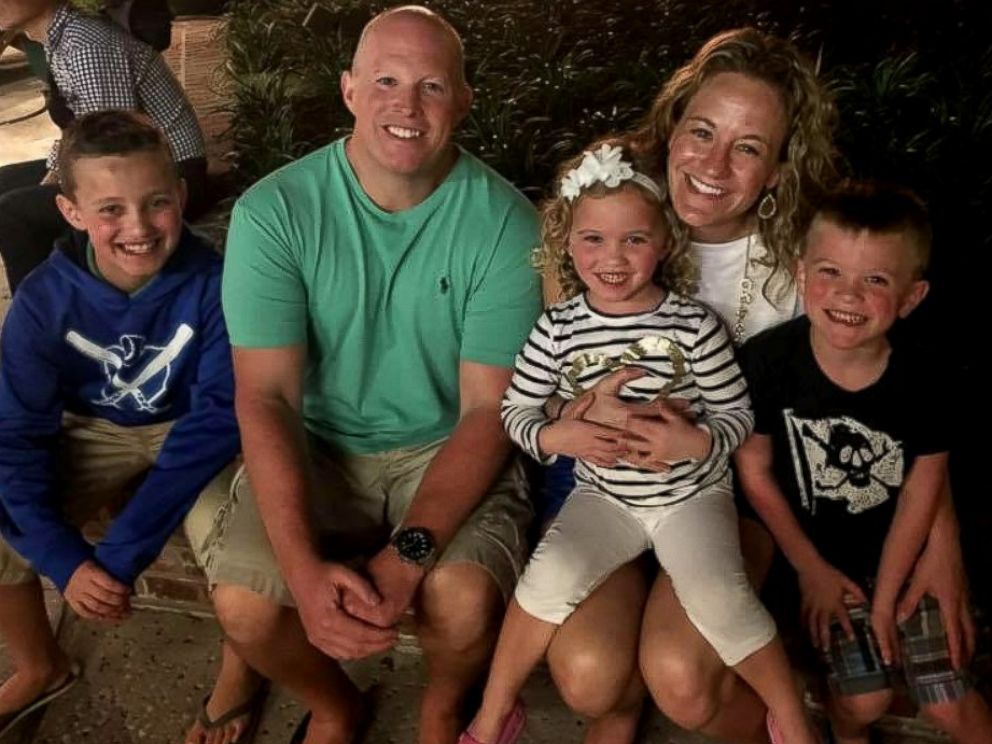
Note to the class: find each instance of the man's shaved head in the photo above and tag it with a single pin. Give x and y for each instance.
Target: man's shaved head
(414, 13)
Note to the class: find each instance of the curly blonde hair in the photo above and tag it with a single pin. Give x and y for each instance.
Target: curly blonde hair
(551, 257)
(808, 158)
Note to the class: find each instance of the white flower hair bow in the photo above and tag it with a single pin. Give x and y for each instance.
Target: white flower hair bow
(606, 166)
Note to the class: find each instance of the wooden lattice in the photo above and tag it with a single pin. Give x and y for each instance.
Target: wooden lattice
(196, 56)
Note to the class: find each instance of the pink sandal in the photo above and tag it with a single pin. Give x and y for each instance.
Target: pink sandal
(774, 732)
(513, 727)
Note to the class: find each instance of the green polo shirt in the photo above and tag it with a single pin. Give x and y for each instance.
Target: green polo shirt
(387, 303)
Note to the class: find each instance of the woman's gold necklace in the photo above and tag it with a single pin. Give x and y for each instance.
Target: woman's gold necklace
(746, 297)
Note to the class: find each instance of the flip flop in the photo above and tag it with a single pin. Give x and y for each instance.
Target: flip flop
(774, 732)
(9, 720)
(369, 696)
(301, 730)
(251, 708)
(513, 727)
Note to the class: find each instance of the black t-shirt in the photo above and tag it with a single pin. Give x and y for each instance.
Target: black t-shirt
(840, 457)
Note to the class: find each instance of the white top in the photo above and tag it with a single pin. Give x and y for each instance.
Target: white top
(721, 272)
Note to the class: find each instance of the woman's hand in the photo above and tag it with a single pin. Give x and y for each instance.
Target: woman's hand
(657, 432)
(602, 402)
(660, 434)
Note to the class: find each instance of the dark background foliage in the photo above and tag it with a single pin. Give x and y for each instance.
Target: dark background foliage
(913, 82)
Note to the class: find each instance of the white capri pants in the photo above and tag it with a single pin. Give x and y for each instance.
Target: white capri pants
(696, 542)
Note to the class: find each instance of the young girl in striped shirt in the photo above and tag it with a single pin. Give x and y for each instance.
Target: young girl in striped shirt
(607, 231)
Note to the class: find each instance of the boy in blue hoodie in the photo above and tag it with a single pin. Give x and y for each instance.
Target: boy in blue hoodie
(116, 395)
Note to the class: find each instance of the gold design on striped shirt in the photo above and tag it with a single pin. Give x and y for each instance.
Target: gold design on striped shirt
(649, 345)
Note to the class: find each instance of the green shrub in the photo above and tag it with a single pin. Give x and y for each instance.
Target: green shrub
(93, 6)
(548, 76)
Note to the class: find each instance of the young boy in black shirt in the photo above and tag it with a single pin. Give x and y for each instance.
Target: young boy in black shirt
(849, 457)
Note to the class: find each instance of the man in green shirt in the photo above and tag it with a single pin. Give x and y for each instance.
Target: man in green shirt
(376, 292)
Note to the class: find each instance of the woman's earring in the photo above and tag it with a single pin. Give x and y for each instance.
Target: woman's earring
(767, 207)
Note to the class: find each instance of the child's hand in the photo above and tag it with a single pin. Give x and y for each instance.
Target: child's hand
(665, 435)
(883, 623)
(574, 437)
(96, 595)
(939, 572)
(823, 590)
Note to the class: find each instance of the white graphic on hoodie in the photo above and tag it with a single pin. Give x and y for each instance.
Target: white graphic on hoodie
(137, 372)
(841, 459)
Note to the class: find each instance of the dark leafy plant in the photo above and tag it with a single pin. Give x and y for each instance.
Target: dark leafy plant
(548, 76)
(91, 5)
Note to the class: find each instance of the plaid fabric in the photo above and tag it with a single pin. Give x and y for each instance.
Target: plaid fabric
(98, 66)
(855, 665)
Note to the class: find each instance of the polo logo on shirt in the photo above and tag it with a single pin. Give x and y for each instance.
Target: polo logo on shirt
(137, 373)
(841, 459)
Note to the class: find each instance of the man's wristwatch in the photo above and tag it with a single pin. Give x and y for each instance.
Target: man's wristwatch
(416, 546)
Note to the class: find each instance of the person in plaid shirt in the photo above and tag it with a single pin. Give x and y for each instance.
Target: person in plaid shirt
(95, 65)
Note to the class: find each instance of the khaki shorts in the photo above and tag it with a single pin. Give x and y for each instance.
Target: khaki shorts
(362, 498)
(100, 466)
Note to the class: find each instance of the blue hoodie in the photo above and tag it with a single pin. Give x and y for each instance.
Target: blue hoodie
(72, 342)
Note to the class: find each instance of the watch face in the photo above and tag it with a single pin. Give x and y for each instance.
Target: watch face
(414, 544)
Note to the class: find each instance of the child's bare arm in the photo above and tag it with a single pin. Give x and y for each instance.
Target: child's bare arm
(754, 467)
(940, 573)
(915, 510)
(823, 586)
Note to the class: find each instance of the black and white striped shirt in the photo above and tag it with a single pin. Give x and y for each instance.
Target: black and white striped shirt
(572, 343)
(98, 66)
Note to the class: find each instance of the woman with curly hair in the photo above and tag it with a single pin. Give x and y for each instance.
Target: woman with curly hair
(607, 234)
(744, 134)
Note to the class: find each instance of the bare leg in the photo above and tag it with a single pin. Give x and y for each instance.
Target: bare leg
(687, 679)
(236, 684)
(522, 643)
(38, 661)
(768, 672)
(458, 619)
(270, 639)
(593, 657)
(851, 715)
(619, 724)
(966, 721)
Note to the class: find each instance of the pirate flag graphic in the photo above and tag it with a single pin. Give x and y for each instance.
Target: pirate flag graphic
(841, 459)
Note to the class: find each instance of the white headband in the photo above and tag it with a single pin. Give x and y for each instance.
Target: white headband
(607, 166)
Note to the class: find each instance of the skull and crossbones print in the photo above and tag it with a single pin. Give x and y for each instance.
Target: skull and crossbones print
(841, 459)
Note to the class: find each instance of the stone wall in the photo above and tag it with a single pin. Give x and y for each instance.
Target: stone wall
(174, 581)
